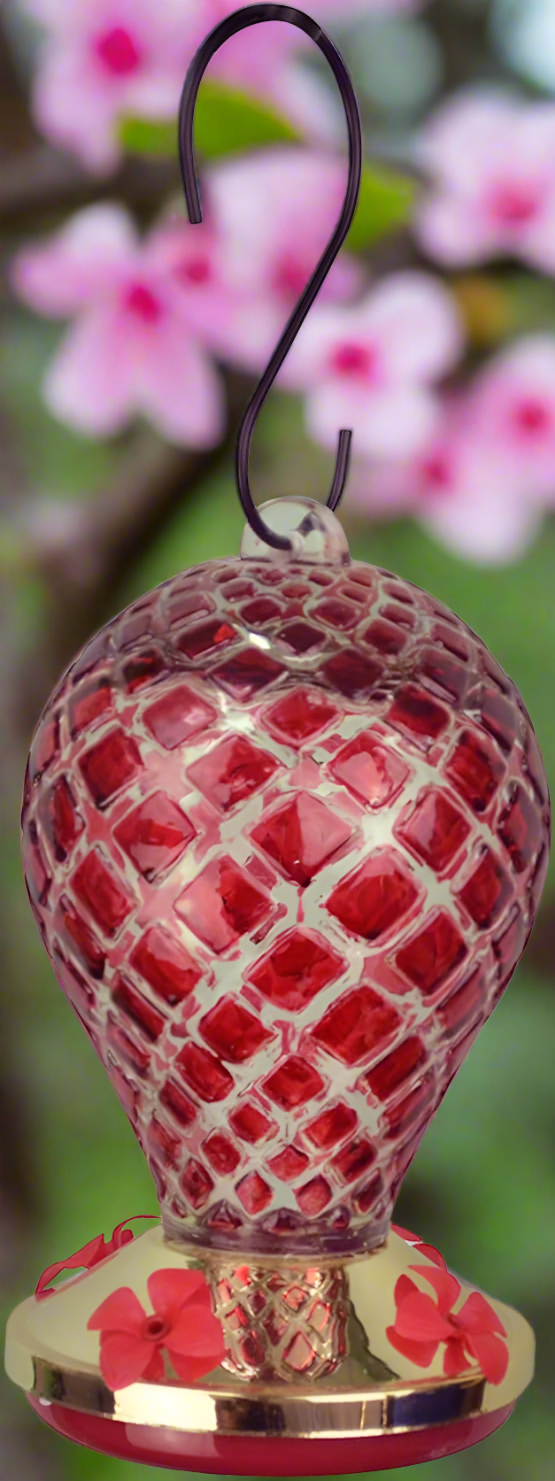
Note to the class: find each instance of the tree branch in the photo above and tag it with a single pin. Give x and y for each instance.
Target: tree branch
(39, 182)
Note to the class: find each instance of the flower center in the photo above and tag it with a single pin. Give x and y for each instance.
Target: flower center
(142, 302)
(436, 474)
(354, 360)
(514, 203)
(290, 278)
(118, 51)
(155, 1328)
(197, 270)
(532, 416)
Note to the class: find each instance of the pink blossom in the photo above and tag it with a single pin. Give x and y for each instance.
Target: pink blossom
(514, 411)
(263, 61)
(372, 366)
(274, 212)
(458, 487)
(101, 60)
(136, 343)
(491, 162)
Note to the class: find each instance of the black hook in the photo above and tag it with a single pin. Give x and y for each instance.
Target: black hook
(252, 15)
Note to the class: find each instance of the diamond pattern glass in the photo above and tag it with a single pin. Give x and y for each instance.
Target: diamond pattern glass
(285, 829)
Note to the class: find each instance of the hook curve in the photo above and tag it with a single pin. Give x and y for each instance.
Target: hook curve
(239, 20)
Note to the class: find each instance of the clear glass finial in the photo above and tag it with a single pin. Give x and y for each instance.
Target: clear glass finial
(315, 533)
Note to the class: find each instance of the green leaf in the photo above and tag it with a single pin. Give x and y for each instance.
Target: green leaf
(385, 203)
(227, 121)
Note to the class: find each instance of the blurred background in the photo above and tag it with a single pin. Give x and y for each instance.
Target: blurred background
(129, 342)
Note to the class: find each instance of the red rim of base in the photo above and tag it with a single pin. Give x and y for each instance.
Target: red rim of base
(253, 1455)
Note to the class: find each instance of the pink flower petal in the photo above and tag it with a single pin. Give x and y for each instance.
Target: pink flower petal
(80, 94)
(73, 108)
(177, 387)
(120, 1312)
(415, 324)
(455, 1359)
(492, 1355)
(538, 242)
(419, 1319)
(493, 185)
(489, 524)
(88, 1256)
(274, 211)
(251, 334)
(393, 422)
(404, 1287)
(122, 1235)
(188, 1369)
(468, 134)
(123, 1359)
(447, 1288)
(420, 1353)
(189, 262)
(62, 275)
(325, 332)
(169, 1289)
(432, 1254)
(155, 1372)
(196, 1333)
(478, 1316)
(514, 408)
(455, 231)
(311, 106)
(90, 382)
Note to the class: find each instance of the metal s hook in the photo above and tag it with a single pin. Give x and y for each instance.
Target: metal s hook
(253, 15)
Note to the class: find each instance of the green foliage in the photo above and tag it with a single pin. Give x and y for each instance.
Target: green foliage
(227, 121)
(56, 462)
(385, 203)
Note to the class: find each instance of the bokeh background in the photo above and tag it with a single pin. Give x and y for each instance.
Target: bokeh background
(116, 435)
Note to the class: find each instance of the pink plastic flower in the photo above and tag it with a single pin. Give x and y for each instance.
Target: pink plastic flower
(90, 1254)
(182, 1322)
(142, 315)
(473, 1335)
(103, 59)
(372, 367)
(491, 163)
(423, 1249)
(274, 212)
(458, 486)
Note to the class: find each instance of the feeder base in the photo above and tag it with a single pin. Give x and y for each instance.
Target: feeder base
(310, 1385)
(256, 1456)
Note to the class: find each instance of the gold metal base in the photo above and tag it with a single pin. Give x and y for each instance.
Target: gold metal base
(307, 1349)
